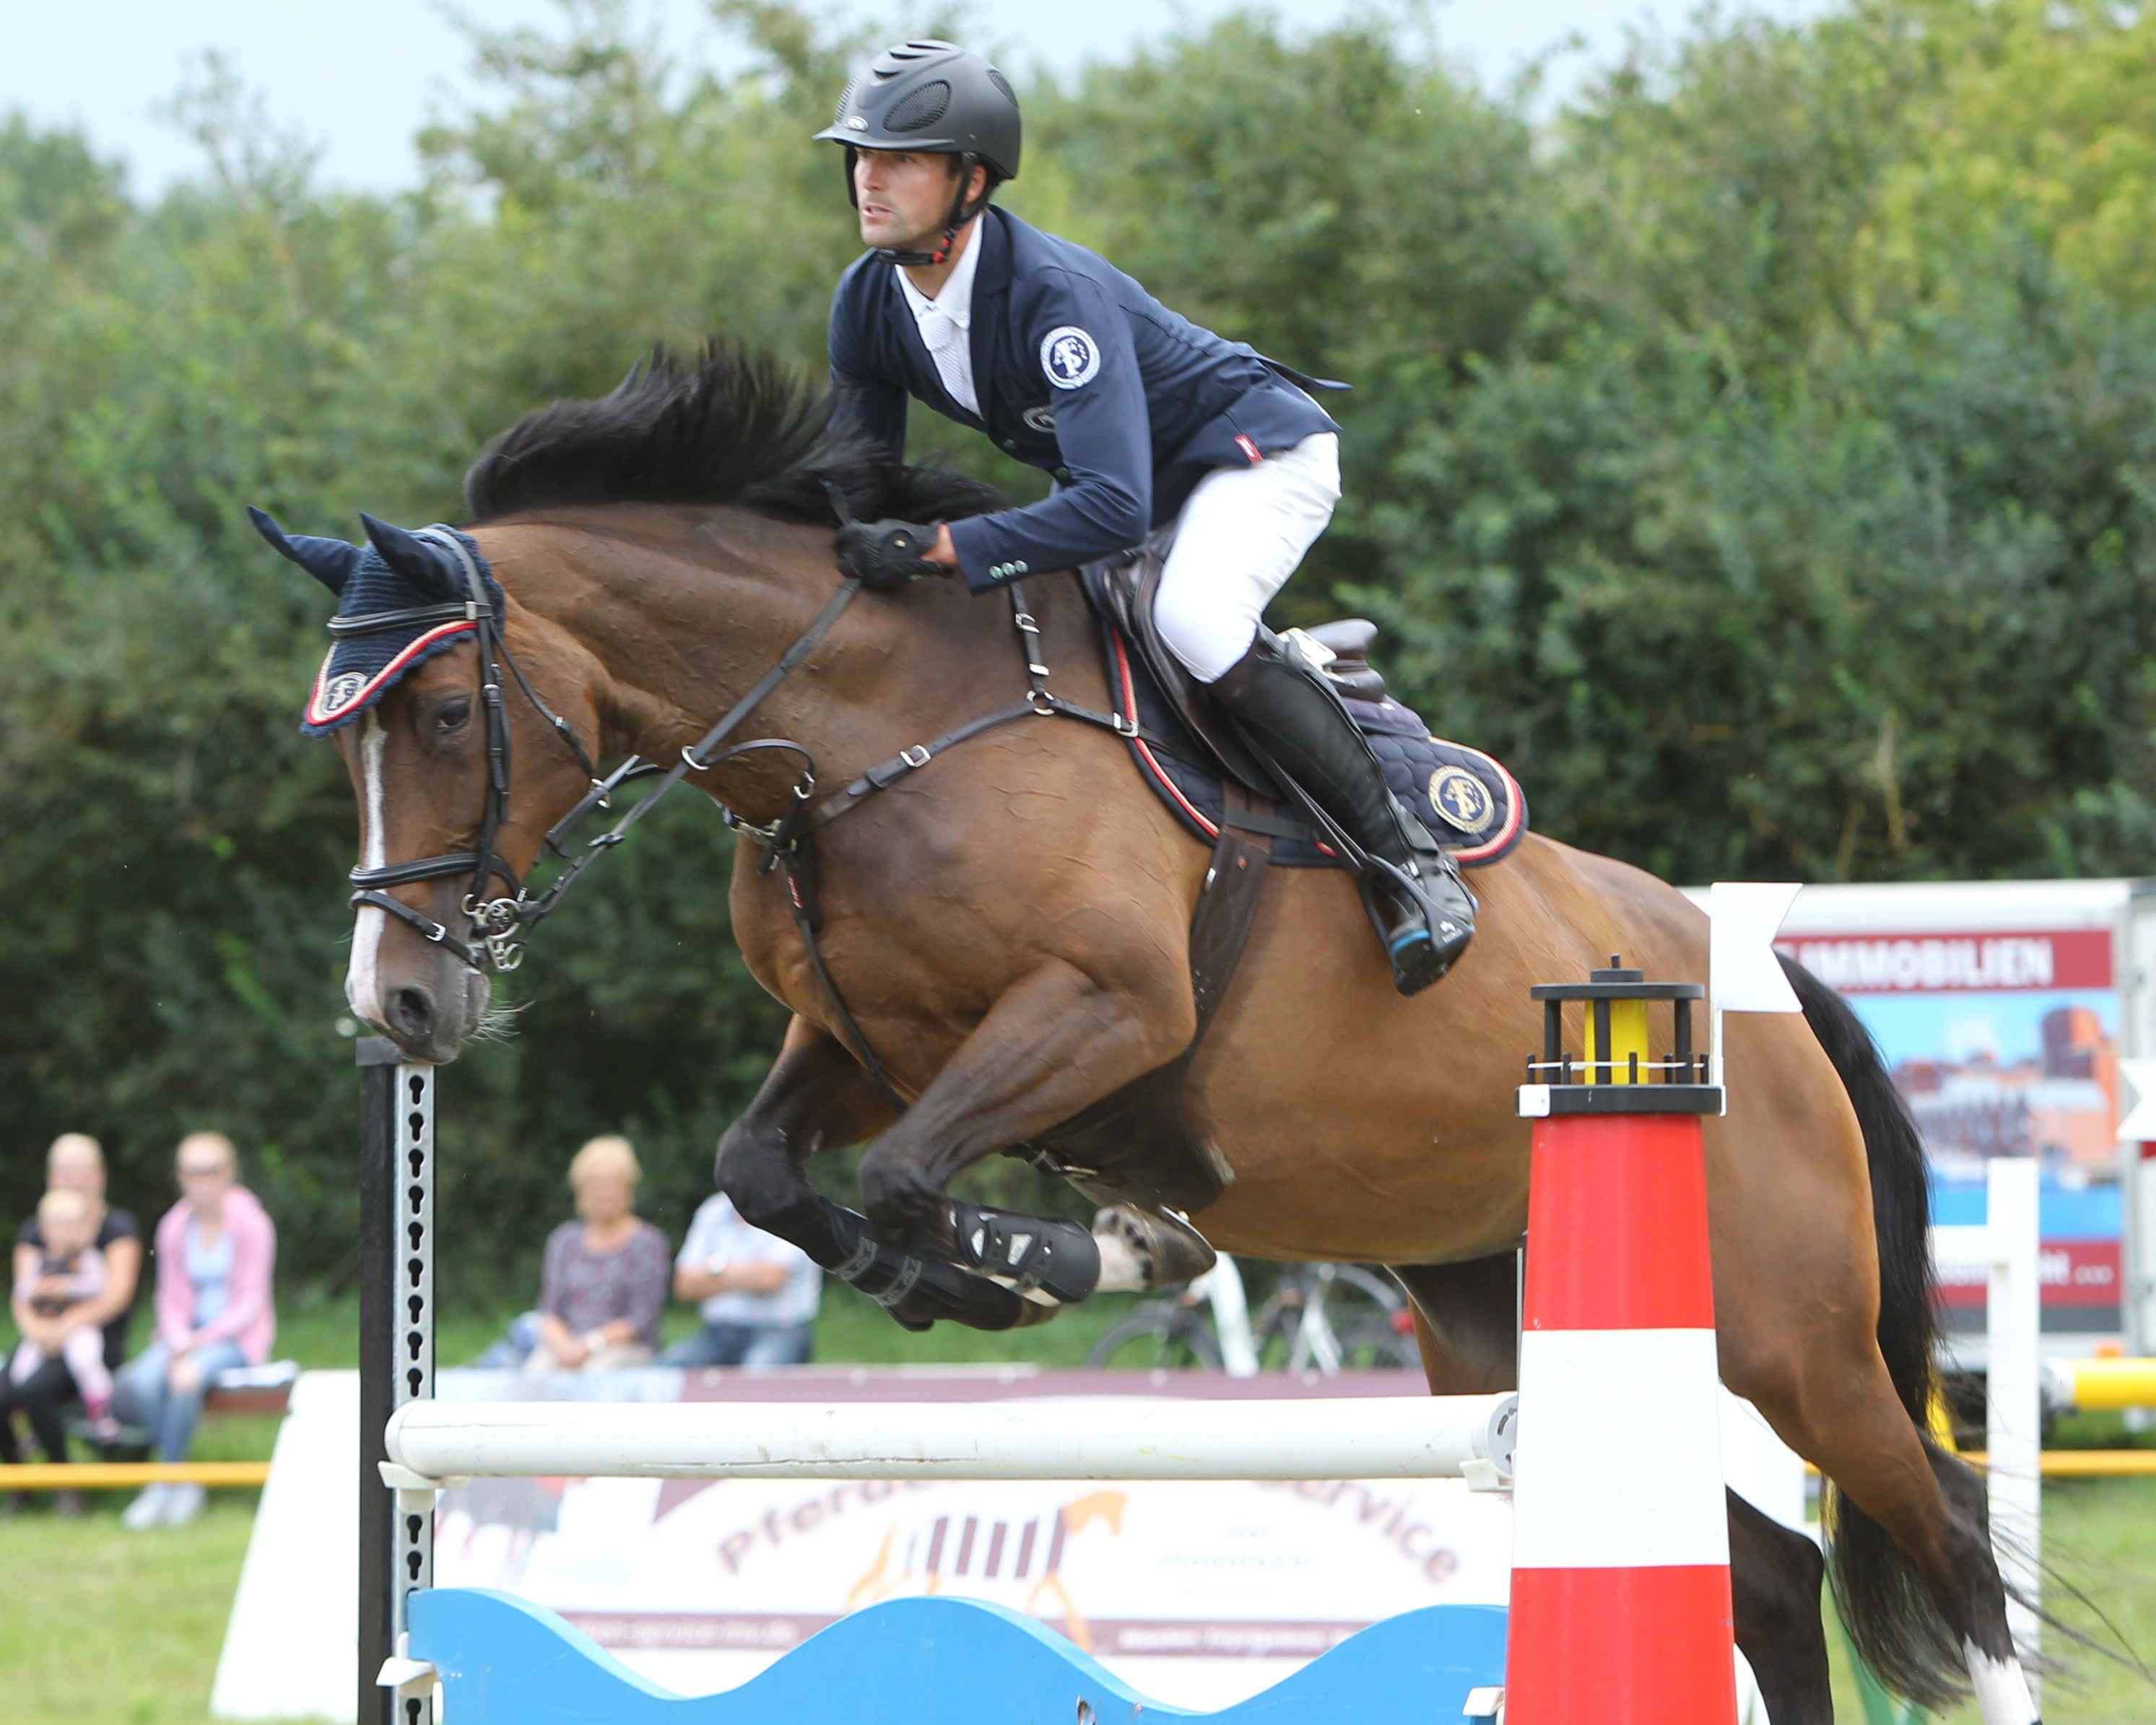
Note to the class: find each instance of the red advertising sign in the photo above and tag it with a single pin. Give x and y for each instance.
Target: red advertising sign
(1954, 963)
(2073, 1272)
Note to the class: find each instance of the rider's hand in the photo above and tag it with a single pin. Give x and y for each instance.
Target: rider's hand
(885, 554)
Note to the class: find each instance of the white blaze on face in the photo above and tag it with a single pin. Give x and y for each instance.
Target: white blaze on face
(361, 989)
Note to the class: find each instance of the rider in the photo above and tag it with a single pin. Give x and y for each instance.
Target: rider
(1158, 434)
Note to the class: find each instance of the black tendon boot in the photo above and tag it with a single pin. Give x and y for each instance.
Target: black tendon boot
(1424, 912)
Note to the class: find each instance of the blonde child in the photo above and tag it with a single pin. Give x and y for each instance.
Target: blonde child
(68, 1272)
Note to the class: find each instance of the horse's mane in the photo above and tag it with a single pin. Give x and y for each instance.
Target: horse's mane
(727, 427)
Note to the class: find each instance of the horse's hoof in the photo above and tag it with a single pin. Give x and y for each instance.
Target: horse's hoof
(1161, 1248)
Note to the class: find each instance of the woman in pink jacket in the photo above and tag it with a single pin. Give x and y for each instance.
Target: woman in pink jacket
(217, 1248)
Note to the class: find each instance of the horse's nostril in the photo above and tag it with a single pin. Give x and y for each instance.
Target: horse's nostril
(411, 1011)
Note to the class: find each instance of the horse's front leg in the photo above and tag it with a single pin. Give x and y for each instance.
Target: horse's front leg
(1054, 1043)
(816, 1097)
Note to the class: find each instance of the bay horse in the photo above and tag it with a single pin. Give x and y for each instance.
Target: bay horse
(1008, 927)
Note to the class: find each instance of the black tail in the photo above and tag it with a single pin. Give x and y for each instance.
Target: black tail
(1889, 1612)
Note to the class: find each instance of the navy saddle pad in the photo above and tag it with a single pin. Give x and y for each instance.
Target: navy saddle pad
(1472, 805)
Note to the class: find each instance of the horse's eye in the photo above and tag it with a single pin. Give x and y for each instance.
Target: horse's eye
(453, 713)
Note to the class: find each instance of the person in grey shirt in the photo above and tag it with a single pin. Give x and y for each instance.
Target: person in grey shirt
(757, 1294)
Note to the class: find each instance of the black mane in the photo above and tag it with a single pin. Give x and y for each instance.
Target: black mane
(728, 427)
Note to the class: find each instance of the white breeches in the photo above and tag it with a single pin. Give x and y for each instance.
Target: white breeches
(1237, 539)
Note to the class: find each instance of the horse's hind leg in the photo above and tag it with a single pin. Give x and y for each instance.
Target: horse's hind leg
(1775, 1572)
(1904, 1506)
(1466, 1324)
(816, 1097)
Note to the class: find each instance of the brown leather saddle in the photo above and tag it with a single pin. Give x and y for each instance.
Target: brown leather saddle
(1137, 1145)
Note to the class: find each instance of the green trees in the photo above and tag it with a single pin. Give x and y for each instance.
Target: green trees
(1758, 456)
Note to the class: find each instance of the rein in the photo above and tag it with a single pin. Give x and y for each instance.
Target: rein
(498, 926)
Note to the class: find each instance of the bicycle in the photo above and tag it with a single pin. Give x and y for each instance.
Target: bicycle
(1328, 1317)
(1335, 1318)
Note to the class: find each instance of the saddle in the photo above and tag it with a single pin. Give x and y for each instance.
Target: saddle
(1136, 1146)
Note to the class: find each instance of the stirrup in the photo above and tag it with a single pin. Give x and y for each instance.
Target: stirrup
(1167, 1250)
(1425, 919)
(1044, 1259)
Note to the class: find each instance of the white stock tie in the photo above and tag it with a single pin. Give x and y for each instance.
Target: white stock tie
(945, 340)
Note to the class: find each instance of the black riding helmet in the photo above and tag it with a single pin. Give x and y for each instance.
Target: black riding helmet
(936, 99)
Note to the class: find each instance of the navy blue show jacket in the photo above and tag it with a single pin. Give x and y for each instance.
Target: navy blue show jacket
(1079, 372)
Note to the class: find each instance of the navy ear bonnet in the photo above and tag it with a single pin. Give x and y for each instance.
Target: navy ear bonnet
(406, 583)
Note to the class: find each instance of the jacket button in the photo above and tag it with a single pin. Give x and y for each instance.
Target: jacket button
(1017, 568)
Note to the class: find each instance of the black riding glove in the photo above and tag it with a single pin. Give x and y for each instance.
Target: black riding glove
(885, 554)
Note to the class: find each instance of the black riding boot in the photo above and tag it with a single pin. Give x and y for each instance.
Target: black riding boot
(1425, 914)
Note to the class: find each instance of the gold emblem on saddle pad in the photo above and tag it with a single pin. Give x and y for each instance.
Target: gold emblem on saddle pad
(1461, 799)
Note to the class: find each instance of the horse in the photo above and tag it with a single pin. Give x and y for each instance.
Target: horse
(1000, 939)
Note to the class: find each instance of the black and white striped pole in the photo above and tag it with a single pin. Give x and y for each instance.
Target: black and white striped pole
(395, 1366)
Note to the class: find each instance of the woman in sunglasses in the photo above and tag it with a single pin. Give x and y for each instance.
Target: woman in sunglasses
(217, 1248)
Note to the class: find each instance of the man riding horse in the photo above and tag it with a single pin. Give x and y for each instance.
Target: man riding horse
(989, 941)
(1159, 434)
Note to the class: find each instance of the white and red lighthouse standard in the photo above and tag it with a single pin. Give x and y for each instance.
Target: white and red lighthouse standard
(1620, 1611)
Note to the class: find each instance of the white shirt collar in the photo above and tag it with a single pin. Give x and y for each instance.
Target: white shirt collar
(956, 301)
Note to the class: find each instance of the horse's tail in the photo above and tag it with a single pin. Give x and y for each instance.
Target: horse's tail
(1887, 1611)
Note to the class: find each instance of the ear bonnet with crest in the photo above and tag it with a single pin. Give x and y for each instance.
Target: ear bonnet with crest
(401, 597)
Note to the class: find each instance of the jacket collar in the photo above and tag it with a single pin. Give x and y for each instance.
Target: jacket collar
(992, 279)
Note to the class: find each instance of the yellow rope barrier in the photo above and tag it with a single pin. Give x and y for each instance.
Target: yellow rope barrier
(2072, 1464)
(118, 1475)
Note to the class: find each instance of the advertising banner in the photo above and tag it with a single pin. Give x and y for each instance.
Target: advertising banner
(1999, 1008)
(1197, 1594)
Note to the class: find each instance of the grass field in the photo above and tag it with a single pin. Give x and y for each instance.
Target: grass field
(104, 1627)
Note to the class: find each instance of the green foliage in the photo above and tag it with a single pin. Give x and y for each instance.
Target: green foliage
(1758, 456)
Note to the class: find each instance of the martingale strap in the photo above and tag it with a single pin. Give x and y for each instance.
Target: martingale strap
(787, 843)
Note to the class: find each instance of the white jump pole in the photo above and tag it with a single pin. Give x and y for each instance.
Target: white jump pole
(2006, 1246)
(1072, 1438)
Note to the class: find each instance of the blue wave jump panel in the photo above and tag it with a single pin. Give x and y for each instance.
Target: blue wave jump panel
(929, 1661)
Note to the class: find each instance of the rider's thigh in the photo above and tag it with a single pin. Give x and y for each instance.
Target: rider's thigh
(1238, 538)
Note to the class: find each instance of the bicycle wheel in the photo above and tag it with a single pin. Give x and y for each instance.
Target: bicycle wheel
(1170, 1338)
(1377, 1348)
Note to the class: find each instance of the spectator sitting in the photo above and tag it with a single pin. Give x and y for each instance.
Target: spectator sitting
(74, 1164)
(759, 1293)
(217, 1249)
(604, 1283)
(56, 1296)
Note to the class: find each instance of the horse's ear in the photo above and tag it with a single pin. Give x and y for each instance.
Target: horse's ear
(329, 560)
(409, 555)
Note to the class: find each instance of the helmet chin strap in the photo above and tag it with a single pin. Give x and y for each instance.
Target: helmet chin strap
(961, 211)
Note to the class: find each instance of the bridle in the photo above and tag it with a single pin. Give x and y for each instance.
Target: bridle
(494, 922)
(497, 926)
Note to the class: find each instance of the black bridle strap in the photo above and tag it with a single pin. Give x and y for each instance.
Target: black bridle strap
(379, 623)
(692, 759)
(424, 926)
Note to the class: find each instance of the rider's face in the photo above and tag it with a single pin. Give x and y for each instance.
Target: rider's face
(904, 199)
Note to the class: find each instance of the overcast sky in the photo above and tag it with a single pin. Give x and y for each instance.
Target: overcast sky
(358, 77)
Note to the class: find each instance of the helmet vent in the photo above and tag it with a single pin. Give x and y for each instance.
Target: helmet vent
(901, 56)
(846, 101)
(920, 109)
(1001, 83)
